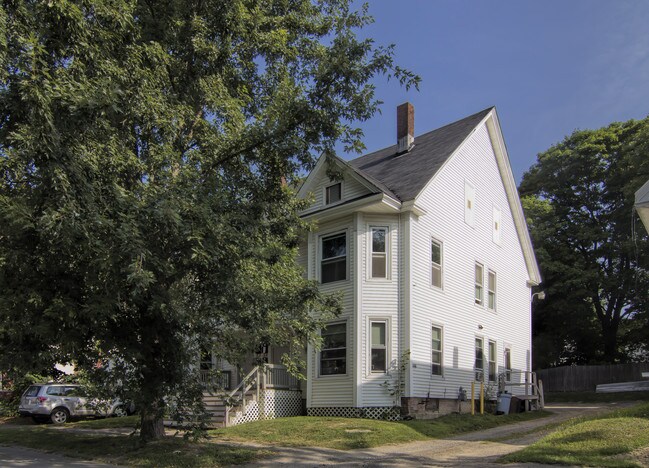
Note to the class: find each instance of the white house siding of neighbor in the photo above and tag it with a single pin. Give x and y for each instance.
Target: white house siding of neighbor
(427, 243)
(642, 204)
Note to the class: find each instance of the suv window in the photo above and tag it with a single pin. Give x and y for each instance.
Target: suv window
(73, 391)
(32, 391)
(56, 391)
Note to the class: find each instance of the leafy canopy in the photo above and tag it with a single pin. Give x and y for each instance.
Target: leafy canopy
(579, 198)
(143, 146)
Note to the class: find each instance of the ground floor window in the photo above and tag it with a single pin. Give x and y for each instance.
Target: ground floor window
(379, 346)
(437, 351)
(492, 361)
(478, 365)
(333, 354)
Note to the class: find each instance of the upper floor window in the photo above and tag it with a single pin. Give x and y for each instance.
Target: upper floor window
(492, 361)
(478, 365)
(379, 346)
(333, 193)
(334, 258)
(491, 290)
(479, 283)
(469, 203)
(379, 253)
(436, 263)
(333, 354)
(496, 224)
(437, 351)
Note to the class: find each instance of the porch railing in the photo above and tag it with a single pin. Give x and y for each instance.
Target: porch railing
(277, 377)
(212, 379)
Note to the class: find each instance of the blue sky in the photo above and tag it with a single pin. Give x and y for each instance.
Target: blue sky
(549, 66)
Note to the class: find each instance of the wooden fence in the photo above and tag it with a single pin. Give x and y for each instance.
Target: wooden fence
(586, 378)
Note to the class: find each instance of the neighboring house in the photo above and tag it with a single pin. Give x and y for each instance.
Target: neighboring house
(427, 242)
(642, 204)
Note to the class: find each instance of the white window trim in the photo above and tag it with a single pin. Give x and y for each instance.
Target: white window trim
(347, 349)
(342, 193)
(388, 262)
(319, 259)
(388, 344)
(482, 288)
(443, 374)
(495, 291)
(441, 266)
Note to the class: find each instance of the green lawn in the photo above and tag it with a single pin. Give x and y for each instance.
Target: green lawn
(106, 423)
(602, 441)
(346, 434)
(125, 450)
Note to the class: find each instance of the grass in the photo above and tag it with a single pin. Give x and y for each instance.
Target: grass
(592, 397)
(125, 450)
(129, 422)
(346, 434)
(605, 441)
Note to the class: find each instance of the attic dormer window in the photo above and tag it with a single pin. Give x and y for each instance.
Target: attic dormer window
(333, 193)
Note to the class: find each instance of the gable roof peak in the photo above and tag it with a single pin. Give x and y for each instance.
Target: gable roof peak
(406, 173)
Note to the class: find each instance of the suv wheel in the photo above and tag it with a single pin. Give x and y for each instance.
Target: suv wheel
(59, 416)
(120, 411)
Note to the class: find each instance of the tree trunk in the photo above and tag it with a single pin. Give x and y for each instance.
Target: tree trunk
(609, 335)
(152, 427)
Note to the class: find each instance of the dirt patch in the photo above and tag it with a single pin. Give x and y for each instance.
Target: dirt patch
(641, 456)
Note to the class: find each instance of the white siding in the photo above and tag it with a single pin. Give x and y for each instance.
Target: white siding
(334, 390)
(453, 308)
(351, 189)
(379, 299)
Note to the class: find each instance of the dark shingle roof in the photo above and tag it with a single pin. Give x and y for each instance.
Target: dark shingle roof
(407, 174)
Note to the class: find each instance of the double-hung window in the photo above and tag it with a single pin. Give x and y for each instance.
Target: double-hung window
(479, 283)
(379, 349)
(508, 364)
(333, 193)
(478, 365)
(491, 290)
(437, 356)
(333, 354)
(334, 258)
(436, 263)
(379, 267)
(492, 361)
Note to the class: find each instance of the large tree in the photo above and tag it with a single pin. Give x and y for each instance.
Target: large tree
(594, 257)
(143, 149)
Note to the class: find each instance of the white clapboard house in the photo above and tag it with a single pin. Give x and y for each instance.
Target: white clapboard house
(427, 243)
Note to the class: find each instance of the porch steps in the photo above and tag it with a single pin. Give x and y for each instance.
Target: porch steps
(215, 406)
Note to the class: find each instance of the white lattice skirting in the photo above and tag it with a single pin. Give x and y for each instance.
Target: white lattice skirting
(276, 404)
(388, 413)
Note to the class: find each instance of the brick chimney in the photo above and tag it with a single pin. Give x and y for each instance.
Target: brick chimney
(405, 127)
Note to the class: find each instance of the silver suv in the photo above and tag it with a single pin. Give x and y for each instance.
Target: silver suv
(59, 402)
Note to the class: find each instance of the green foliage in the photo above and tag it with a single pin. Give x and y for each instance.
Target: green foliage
(142, 150)
(578, 199)
(9, 405)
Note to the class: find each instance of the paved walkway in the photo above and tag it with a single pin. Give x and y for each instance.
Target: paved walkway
(477, 449)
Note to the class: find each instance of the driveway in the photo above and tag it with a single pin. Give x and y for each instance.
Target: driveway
(477, 449)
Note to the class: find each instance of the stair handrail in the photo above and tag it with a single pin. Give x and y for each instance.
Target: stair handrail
(244, 389)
